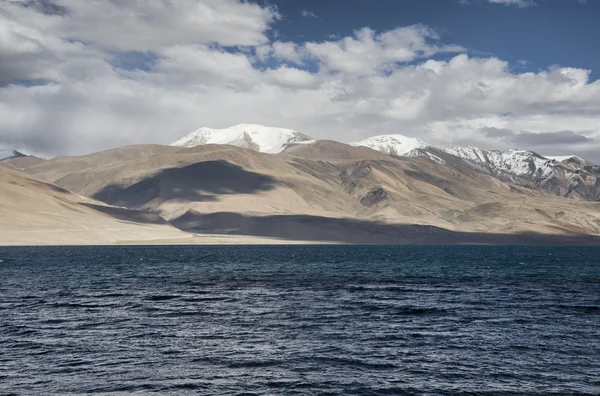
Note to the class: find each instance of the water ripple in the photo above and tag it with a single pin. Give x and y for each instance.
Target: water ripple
(298, 320)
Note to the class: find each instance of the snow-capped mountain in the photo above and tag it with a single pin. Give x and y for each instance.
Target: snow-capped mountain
(252, 136)
(392, 144)
(567, 176)
(570, 176)
(562, 158)
(573, 160)
(522, 163)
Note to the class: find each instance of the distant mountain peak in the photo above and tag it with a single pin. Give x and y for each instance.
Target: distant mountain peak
(569, 176)
(251, 136)
(395, 144)
(8, 154)
(570, 159)
(513, 161)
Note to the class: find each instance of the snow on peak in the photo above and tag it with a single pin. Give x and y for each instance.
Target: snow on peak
(560, 158)
(570, 159)
(514, 162)
(392, 144)
(252, 136)
(419, 152)
(473, 154)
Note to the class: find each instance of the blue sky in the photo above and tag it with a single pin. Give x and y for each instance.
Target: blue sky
(551, 32)
(83, 76)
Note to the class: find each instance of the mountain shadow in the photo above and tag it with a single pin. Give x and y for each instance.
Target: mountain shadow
(353, 231)
(200, 182)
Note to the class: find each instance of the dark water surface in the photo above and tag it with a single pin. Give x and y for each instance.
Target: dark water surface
(309, 320)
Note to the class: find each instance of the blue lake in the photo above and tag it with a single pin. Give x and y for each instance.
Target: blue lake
(300, 320)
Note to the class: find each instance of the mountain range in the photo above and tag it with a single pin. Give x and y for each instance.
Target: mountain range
(568, 176)
(250, 183)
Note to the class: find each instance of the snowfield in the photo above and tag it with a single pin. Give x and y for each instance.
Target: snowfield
(514, 162)
(392, 144)
(253, 136)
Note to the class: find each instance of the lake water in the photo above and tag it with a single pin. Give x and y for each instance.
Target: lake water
(300, 320)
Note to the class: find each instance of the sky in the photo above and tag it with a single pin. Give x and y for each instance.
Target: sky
(82, 76)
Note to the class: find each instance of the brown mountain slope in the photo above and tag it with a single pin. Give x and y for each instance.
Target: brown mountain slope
(171, 180)
(325, 180)
(210, 179)
(330, 150)
(24, 162)
(33, 212)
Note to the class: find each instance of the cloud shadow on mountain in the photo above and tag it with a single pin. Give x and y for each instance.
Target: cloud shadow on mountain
(199, 182)
(352, 231)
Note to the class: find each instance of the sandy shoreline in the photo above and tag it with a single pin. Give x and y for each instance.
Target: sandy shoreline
(196, 239)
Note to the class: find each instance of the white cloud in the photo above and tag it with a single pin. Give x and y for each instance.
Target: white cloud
(518, 3)
(580, 133)
(185, 66)
(344, 88)
(281, 52)
(145, 25)
(307, 14)
(369, 52)
(292, 77)
(287, 51)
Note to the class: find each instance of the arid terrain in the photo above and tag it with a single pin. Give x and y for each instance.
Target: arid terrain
(325, 192)
(33, 212)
